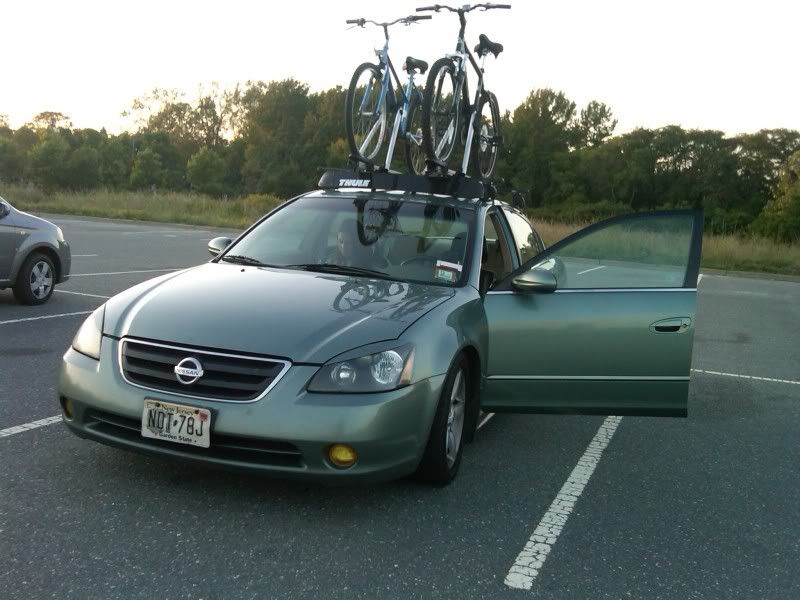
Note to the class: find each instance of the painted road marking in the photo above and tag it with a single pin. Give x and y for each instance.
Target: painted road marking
(82, 294)
(592, 269)
(72, 314)
(529, 562)
(485, 420)
(83, 255)
(125, 272)
(28, 426)
(754, 377)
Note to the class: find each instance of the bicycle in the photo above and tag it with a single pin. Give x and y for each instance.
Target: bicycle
(370, 102)
(447, 94)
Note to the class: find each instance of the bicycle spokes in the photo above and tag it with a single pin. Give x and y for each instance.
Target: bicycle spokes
(369, 115)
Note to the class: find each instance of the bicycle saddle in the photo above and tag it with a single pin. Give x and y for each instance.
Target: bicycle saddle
(414, 63)
(485, 45)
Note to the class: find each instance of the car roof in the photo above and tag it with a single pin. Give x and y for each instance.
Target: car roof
(404, 196)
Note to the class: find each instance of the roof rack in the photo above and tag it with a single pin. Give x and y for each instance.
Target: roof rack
(457, 185)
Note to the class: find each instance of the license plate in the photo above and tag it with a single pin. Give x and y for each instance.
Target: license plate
(176, 423)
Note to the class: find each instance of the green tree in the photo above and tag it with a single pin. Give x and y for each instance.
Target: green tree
(83, 169)
(50, 120)
(596, 124)
(206, 172)
(147, 171)
(781, 217)
(12, 160)
(48, 162)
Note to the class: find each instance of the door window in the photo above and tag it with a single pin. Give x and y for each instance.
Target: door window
(526, 240)
(638, 251)
(496, 255)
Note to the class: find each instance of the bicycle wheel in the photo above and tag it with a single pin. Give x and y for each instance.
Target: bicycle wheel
(486, 139)
(440, 111)
(365, 112)
(415, 152)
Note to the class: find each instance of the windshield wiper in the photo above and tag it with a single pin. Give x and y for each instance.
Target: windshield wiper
(343, 269)
(241, 259)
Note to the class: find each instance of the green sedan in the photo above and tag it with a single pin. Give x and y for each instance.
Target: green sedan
(356, 334)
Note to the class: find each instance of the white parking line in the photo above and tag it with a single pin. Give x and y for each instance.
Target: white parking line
(124, 272)
(485, 420)
(529, 562)
(72, 314)
(754, 377)
(83, 255)
(592, 269)
(28, 426)
(81, 294)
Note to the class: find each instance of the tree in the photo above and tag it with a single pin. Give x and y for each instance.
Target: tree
(48, 162)
(3, 121)
(205, 172)
(12, 160)
(147, 171)
(596, 124)
(83, 169)
(781, 217)
(50, 120)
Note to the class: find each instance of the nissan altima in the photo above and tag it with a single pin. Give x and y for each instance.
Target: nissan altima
(358, 334)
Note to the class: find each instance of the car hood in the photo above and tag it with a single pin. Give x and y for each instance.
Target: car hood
(299, 315)
(29, 221)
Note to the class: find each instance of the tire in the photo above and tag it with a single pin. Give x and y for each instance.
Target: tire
(440, 463)
(358, 128)
(36, 279)
(439, 112)
(487, 138)
(415, 149)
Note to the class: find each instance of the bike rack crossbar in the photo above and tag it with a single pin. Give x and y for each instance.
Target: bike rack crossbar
(456, 185)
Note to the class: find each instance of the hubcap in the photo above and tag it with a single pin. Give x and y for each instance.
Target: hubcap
(455, 417)
(41, 280)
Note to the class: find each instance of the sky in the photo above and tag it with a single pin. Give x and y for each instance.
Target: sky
(728, 65)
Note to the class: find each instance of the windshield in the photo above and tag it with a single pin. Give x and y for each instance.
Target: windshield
(405, 240)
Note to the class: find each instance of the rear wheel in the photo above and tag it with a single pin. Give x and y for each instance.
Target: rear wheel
(442, 456)
(366, 112)
(36, 280)
(415, 152)
(486, 139)
(440, 111)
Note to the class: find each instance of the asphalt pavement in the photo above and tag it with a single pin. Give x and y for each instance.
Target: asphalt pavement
(703, 507)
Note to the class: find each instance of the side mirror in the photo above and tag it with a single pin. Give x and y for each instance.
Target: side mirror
(218, 244)
(536, 280)
(4, 210)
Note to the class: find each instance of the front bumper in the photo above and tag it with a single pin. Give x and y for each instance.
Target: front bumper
(65, 258)
(287, 433)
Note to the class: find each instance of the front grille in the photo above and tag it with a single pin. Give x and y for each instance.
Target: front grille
(228, 377)
(223, 447)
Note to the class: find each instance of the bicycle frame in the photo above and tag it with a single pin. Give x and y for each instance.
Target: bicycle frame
(461, 91)
(401, 116)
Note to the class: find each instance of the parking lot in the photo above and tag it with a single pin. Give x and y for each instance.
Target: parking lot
(545, 506)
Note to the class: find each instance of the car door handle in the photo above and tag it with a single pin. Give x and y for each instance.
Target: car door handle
(673, 325)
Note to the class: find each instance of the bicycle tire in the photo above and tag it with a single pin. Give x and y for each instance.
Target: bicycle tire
(348, 113)
(485, 162)
(431, 93)
(415, 151)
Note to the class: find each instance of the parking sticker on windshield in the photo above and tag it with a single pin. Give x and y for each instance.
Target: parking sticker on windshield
(446, 271)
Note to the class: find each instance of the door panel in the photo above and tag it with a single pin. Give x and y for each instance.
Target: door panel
(616, 336)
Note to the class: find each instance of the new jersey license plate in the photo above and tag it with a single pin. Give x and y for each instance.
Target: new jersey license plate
(176, 423)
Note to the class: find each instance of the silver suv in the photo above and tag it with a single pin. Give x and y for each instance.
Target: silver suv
(33, 255)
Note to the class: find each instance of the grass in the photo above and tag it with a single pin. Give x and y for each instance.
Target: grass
(726, 252)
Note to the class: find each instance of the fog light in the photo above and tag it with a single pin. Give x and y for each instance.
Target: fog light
(342, 455)
(66, 406)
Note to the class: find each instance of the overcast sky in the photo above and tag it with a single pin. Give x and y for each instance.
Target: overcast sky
(729, 65)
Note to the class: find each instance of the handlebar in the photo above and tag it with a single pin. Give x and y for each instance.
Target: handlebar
(405, 20)
(463, 9)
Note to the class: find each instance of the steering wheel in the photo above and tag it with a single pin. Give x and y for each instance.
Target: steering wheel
(419, 259)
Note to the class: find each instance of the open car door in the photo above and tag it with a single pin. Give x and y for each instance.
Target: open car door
(600, 323)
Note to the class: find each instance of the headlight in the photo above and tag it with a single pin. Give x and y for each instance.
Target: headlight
(87, 340)
(377, 372)
(59, 234)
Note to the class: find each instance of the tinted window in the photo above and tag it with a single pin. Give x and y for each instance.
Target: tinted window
(638, 252)
(408, 240)
(525, 238)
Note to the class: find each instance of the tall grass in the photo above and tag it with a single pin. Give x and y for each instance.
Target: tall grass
(727, 252)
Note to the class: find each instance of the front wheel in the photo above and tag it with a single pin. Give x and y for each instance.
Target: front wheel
(35, 280)
(442, 456)
(415, 152)
(366, 108)
(486, 138)
(440, 111)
